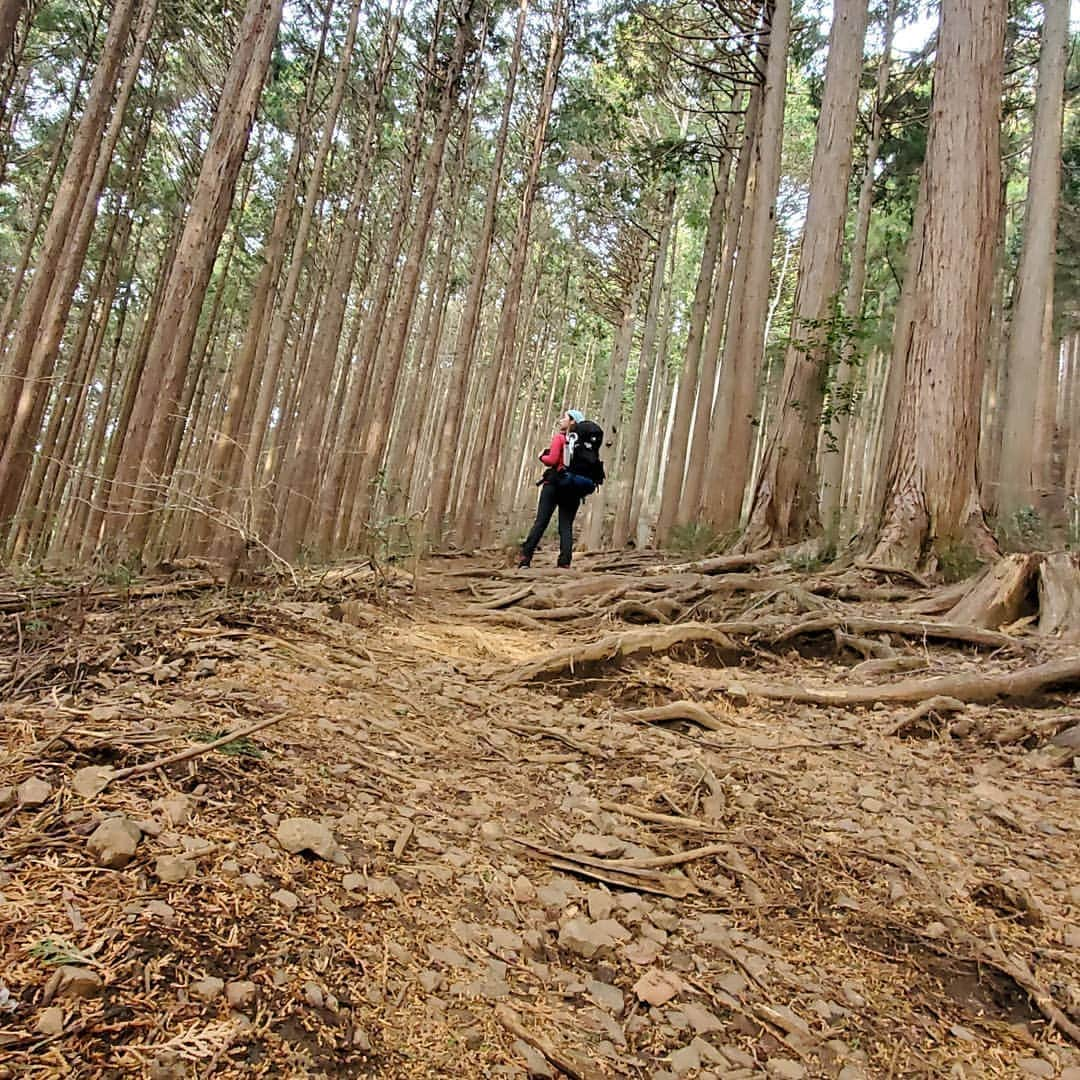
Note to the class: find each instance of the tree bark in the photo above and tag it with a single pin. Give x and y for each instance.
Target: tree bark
(1020, 468)
(470, 320)
(136, 491)
(746, 331)
(784, 508)
(833, 496)
(931, 497)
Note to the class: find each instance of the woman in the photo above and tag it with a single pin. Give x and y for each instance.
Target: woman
(555, 496)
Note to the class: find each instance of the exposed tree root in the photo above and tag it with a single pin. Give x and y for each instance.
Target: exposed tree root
(567, 1063)
(913, 628)
(677, 710)
(914, 720)
(615, 647)
(969, 687)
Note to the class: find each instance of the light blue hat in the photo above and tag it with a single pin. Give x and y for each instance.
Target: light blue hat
(576, 415)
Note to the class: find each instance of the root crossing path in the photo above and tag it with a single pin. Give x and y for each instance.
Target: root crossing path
(630, 820)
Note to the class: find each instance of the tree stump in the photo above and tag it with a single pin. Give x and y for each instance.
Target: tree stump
(1005, 593)
(1059, 596)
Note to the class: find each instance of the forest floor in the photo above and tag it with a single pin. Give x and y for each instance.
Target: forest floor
(552, 823)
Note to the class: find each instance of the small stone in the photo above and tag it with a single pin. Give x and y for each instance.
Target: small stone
(1071, 1073)
(158, 909)
(601, 904)
(51, 1021)
(701, 1020)
(176, 809)
(239, 993)
(1070, 738)
(252, 881)
(536, 1065)
(595, 844)
(207, 989)
(288, 900)
(506, 940)
(8, 796)
(303, 834)
(34, 792)
(313, 995)
(353, 882)
(658, 987)
(1035, 1067)
(936, 930)
(492, 831)
(91, 780)
(229, 868)
(589, 939)
(72, 982)
(605, 995)
(685, 1059)
(172, 870)
(785, 1069)
(523, 890)
(386, 887)
(114, 841)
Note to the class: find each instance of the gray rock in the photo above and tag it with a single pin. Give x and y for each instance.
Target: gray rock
(207, 989)
(589, 939)
(114, 841)
(239, 993)
(523, 890)
(506, 940)
(785, 1069)
(608, 996)
(1035, 1067)
(685, 1059)
(51, 1021)
(353, 882)
(387, 887)
(176, 809)
(601, 903)
(535, 1063)
(158, 909)
(1070, 737)
(313, 995)
(701, 1019)
(595, 844)
(303, 834)
(70, 981)
(492, 831)
(288, 900)
(91, 780)
(172, 870)
(34, 792)
(8, 796)
(252, 881)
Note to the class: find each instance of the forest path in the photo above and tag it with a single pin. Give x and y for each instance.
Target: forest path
(520, 867)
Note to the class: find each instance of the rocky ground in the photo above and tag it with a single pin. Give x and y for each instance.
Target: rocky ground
(633, 820)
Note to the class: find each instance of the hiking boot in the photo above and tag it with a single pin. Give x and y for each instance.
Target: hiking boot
(523, 563)
(562, 566)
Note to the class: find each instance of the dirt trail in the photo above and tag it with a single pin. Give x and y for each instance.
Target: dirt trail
(630, 864)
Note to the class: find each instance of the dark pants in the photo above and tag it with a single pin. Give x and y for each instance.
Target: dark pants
(567, 503)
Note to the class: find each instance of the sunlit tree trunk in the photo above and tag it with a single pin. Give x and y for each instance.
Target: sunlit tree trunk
(1023, 458)
(931, 499)
(137, 489)
(833, 496)
(784, 507)
(745, 343)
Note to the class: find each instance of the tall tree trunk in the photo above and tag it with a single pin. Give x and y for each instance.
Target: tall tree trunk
(1020, 468)
(138, 483)
(611, 407)
(745, 342)
(480, 481)
(19, 389)
(17, 456)
(931, 498)
(688, 380)
(10, 13)
(397, 329)
(628, 465)
(843, 390)
(464, 350)
(785, 501)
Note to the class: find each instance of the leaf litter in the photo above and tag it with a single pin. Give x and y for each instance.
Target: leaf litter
(539, 824)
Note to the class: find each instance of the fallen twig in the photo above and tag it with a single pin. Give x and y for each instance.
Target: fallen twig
(574, 1068)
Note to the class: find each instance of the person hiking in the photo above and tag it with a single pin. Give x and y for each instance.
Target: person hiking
(573, 471)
